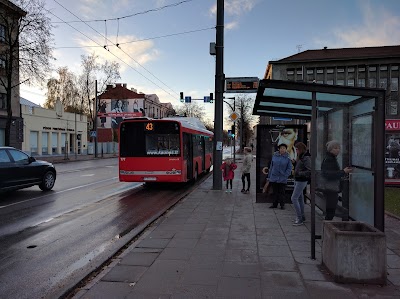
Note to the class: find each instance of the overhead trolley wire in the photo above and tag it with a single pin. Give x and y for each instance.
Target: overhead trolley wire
(114, 55)
(143, 39)
(131, 15)
(105, 46)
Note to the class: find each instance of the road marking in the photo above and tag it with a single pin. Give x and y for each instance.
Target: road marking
(58, 192)
(90, 174)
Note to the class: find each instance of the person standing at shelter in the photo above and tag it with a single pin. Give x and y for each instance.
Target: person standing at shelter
(302, 173)
(279, 171)
(330, 170)
(247, 160)
(228, 173)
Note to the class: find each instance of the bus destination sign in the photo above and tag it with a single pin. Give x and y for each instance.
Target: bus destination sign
(241, 85)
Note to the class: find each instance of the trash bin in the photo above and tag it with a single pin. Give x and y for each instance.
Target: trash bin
(354, 252)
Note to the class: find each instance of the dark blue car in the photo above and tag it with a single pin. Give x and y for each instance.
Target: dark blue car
(19, 170)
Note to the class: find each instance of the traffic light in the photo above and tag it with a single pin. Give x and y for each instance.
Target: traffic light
(182, 100)
(211, 98)
(233, 130)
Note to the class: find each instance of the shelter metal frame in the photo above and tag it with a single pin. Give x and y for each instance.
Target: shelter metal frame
(307, 101)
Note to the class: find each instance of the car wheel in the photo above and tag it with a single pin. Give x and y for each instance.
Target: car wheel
(48, 181)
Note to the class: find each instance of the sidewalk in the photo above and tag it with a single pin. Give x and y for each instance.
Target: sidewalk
(225, 245)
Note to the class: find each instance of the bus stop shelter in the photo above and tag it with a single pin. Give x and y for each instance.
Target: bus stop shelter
(355, 117)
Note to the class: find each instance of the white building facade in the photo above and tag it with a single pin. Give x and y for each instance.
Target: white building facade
(53, 132)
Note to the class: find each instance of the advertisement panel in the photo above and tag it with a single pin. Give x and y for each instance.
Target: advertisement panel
(392, 153)
(269, 137)
(112, 111)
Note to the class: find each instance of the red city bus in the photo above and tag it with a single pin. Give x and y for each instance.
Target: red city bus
(175, 149)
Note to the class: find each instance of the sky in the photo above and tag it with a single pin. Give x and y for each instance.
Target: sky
(164, 44)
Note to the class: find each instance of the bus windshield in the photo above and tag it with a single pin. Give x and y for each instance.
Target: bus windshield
(145, 139)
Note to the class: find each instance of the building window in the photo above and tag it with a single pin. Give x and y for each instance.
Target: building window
(350, 82)
(372, 68)
(3, 101)
(361, 82)
(290, 72)
(329, 71)
(361, 69)
(330, 82)
(299, 72)
(350, 69)
(340, 70)
(320, 82)
(310, 71)
(383, 67)
(383, 83)
(2, 61)
(372, 82)
(395, 67)
(394, 84)
(320, 71)
(340, 82)
(392, 108)
(33, 139)
(2, 33)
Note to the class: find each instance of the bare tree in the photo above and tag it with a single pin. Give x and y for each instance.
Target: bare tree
(65, 88)
(192, 110)
(245, 105)
(105, 74)
(26, 47)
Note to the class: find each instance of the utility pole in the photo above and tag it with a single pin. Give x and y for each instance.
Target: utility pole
(219, 95)
(95, 118)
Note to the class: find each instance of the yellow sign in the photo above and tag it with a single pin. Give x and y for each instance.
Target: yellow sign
(149, 127)
(234, 116)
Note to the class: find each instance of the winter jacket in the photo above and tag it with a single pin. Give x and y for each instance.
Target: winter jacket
(227, 171)
(248, 159)
(330, 167)
(280, 168)
(302, 170)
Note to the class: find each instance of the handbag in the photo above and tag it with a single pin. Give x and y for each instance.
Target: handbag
(323, 184)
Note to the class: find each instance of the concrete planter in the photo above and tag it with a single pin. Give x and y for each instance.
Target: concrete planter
(354, 252)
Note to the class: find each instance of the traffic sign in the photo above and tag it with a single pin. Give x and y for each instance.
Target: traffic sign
(93, 134)
(188, 99)
(234, 116)
(206, 99)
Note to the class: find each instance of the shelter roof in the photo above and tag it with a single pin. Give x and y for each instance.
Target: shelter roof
(289, 99)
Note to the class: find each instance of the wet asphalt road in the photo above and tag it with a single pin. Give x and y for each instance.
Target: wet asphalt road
(51, 241)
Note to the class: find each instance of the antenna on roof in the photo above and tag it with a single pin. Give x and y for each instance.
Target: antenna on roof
(299, 48)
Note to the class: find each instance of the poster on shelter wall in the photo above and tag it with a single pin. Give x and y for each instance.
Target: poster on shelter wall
(111, 112)
(392, 158)
(269, 137)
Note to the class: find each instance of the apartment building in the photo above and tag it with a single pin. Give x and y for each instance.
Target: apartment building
(9, 13)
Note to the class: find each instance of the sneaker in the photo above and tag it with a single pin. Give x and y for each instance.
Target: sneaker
(282, 207)
(242, 190)
(298, 222)
(273, 207)
(230, 191)
(247, 191)
(304, 219)
(226, 191)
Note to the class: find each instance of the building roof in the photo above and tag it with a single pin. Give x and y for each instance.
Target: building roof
(120, 92)
(343, 54)
(12, 6)
(25, 102)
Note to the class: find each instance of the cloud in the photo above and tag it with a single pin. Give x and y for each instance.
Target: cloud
(235, 7)
(379, 27)
(231, 25)
(137, 52)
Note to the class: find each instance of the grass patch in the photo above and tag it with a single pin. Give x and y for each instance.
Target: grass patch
(392, 200)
